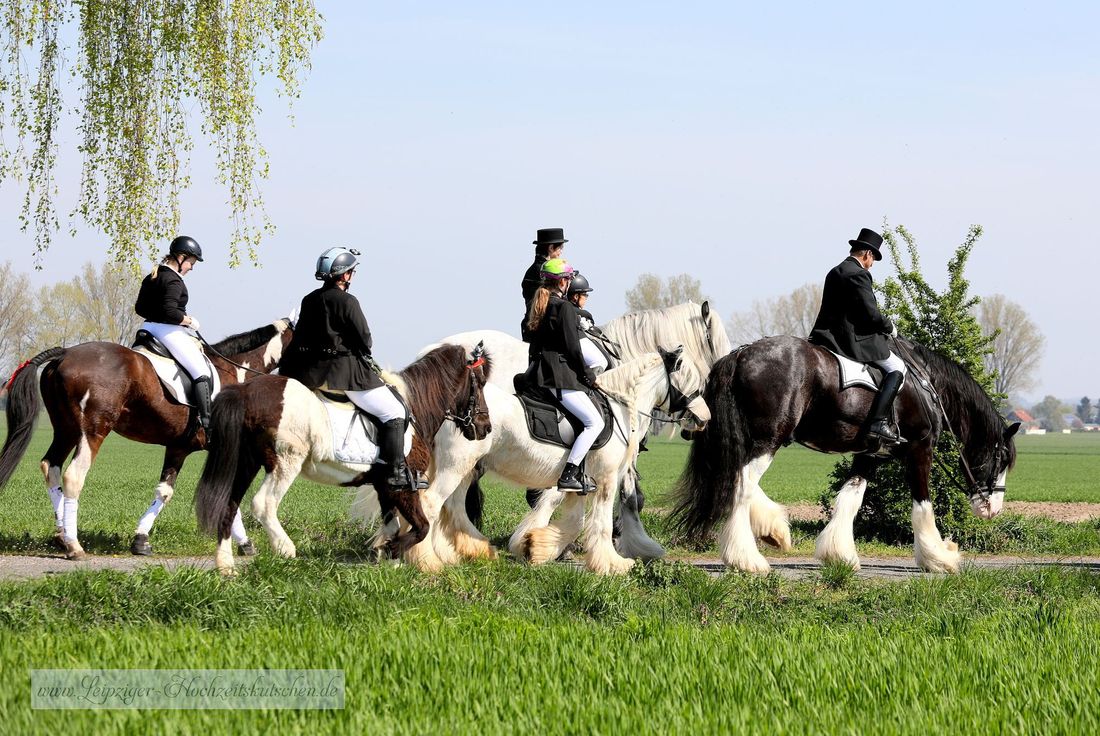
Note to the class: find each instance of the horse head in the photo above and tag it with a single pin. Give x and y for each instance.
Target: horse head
(685, 390)
(473, 417)
(988, 472)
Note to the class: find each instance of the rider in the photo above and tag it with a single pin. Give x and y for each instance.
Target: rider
(579, 289)
(162, 301)
(549, 243)
(558, 363)
(851, 324)
(331, 349)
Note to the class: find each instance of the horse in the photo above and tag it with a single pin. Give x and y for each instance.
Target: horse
(695, 327)
(653, 380)
(280, 425)
(96, 388)
(783, 389)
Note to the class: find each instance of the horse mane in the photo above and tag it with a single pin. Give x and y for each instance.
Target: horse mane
(430, 384)
(973, 413)
(243, 342)
(681, 324)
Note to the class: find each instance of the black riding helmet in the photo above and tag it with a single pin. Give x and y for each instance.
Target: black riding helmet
(185, 246)
(336, 261)
(579, 285)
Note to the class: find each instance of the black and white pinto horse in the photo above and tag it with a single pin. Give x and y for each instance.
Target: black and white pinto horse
(782, 389)
(634, 387)
(698, 329)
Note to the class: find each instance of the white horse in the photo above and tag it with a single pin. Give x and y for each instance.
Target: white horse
(635, 387)
(695, 327)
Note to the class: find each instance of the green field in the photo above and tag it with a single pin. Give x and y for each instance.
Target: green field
(501, 647)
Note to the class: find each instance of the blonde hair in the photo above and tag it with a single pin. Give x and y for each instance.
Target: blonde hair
(538, 307)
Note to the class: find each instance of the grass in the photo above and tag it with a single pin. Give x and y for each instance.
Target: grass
(504, 649)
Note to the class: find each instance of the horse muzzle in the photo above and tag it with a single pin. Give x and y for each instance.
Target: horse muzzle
(988, 506)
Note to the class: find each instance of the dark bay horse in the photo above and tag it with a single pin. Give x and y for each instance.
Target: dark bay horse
(279, 425)
(96, 388)
(782, 389)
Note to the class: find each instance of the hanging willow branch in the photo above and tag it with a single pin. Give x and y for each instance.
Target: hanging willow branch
(144, 68)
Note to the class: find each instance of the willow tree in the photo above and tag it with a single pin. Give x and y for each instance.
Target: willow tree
(143, 69)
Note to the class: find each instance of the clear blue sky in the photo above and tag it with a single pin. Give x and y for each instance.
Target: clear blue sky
(741, 143)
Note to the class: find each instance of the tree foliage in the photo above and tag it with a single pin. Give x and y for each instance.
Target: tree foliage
(943, 321)
(653, 292)
(1017, 344)
(1051, 413)
(141, 67)
(791, 314)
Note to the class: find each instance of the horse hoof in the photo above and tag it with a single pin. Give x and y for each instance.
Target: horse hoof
(74, 552)
(141, 546)
(248, 549)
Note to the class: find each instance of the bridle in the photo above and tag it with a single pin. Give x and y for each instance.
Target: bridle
(467, 418)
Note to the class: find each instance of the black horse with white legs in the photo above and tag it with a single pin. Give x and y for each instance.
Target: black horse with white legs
(783, 389)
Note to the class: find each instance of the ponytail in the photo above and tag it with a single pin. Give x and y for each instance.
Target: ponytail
(538, 307)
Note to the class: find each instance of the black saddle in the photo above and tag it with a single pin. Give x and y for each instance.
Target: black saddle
(550, 422)
(146, 339)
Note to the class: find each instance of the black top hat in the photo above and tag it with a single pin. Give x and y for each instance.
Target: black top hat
(550, 236)
(868, 239)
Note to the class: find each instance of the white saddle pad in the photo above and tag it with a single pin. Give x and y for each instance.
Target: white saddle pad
(854, 374)
(171, 376)
(350, 442)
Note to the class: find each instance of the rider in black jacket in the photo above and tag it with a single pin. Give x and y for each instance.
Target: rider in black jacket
(331, 349)
(558, 363)
(162, 301)
(549, 243)
(850, 323)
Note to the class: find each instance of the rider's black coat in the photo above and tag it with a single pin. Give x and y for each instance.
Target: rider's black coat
(164, 298)
(557, 361)
(850, 322)
(332, 343)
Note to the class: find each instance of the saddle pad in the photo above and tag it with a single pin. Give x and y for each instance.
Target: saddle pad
(857, 374)
(548, 422)
(176, 381)
(354, 433)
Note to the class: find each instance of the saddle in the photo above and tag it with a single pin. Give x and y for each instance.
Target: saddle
(354, 431)
(177, 382)
(549, 422)
(853, 373)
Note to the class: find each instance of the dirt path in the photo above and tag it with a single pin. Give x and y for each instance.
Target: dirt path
(27, 567)
(1065, 512)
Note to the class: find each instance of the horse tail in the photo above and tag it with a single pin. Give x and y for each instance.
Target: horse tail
(230, 464)
(22, 412)
(708, 486)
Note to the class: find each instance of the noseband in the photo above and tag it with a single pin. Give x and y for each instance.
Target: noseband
(466, 419)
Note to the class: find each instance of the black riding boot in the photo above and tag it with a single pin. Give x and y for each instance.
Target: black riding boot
(203, 387)
(391, 453)
(880, 427)
(569, 480)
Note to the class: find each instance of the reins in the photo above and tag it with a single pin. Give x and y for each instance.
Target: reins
(231, 362)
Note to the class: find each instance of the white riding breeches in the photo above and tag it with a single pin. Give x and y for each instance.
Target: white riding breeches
(580, 405)
(182, 344)
(892, 363)
(593, 357)
(379, 402)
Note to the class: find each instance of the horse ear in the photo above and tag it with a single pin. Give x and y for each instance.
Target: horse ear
(706, 311)
(1012, 429)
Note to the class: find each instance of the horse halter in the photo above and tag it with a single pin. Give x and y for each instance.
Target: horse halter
(989, 488)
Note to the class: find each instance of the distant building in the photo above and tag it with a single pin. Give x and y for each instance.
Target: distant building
(1072, 421)
(1023, 416)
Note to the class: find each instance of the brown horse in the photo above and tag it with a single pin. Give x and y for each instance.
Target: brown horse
(96, 388)
(279, 425)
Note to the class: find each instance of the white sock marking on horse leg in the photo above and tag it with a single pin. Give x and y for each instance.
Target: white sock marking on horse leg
(931, 552)
(237, 531)
(600, 553)
(57, 502)
(536, 518)
(769, 519)
(223, 559)
(837, 540)
(737, 541)
(145, 523)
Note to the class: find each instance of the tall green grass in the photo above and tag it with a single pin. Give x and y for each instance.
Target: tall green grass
(492, 649)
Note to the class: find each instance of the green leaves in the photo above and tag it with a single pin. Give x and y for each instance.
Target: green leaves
(143, 69)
